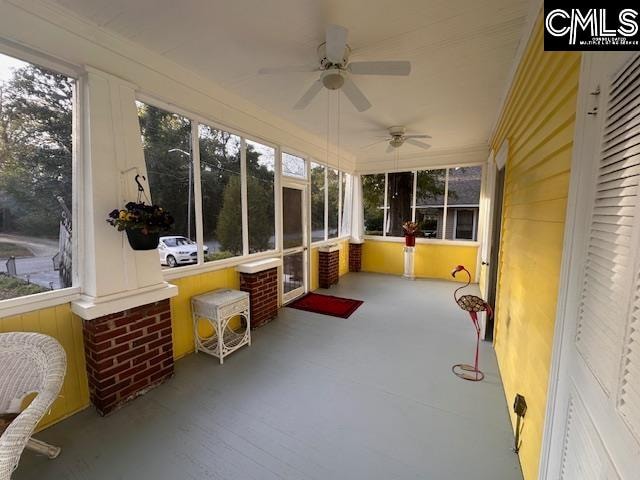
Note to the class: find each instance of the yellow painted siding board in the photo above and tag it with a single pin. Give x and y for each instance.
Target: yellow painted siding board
(314, 255)
(181, 304)
(60, 323)
(538, 122)
(431, 260)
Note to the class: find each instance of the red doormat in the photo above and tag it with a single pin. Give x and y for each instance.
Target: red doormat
(327, 305)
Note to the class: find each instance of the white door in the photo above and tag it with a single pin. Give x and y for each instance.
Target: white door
(294, 241)
(593, 413)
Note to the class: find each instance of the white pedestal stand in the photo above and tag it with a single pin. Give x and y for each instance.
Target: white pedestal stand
(409, 262)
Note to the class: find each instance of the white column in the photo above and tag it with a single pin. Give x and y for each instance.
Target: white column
(357, 209)
(114, 276)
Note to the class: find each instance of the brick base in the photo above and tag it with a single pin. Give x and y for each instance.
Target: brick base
(263, 295)
(128, 353)
(328, 268)
(355, 257)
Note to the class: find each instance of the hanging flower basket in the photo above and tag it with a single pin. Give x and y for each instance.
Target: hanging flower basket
(143, 224)
(141, 241)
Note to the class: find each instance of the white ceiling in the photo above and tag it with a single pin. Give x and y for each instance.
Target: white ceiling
(461, 53)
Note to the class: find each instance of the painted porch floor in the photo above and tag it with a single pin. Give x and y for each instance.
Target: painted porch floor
(314, 397)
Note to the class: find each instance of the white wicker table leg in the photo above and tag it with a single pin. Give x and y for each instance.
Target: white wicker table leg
(43, 448)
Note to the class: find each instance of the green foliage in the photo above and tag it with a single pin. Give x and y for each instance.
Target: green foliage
(229, 229)
(36, 111)
(168, 171)
(212, 257)
(11, 287)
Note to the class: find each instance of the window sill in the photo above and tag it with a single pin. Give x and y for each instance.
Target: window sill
(331, 241)
(38, 301)
(190, 270)
(425, 241)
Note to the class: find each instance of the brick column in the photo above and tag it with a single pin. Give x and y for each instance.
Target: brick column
(260, 280)
(127, 354)
(328, 266)
(355, 257)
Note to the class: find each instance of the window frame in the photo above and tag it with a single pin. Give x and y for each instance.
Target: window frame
(435, 241)
(27, 303)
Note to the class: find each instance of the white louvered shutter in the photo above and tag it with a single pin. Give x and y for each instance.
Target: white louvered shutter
(612, 239)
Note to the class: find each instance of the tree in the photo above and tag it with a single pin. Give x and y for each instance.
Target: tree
(36, 123)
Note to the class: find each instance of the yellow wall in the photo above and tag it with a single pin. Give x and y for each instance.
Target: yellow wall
(538, 121)
(431, 261)
(59, 323)
(181, 320)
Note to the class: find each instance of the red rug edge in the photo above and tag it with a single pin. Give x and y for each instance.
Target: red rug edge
(347, 314)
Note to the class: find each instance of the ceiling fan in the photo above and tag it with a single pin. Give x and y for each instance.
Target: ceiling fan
(398, 136)
(336, 70)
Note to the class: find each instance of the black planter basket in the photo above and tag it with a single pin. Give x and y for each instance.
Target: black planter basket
(140, 241)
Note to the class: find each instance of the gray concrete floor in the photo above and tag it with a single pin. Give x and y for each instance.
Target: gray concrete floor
(314, 397)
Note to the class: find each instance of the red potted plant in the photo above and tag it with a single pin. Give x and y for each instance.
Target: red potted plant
(410, 229)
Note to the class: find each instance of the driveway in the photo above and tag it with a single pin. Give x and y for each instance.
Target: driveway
(39, 268)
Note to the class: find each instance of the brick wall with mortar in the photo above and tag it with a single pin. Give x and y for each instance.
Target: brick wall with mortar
(355, 257)
(328, 268)
(263, 295)
(128, 353)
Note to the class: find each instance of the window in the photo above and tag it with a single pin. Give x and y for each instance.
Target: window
(293, 166)
(465, 221)
(333, 192)
(36, 179)
(373, 188)
(463, 193)
(430, 189)
(445, 206)
(317, 201)
(399, 200)
(166, 139)
(221, 193)
(261, 170)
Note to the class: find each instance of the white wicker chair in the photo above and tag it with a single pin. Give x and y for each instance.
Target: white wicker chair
(29, 363)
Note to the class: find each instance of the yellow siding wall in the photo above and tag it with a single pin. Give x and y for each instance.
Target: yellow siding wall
(431, 261)
(538, 121)
(182, 322)
(59, 323)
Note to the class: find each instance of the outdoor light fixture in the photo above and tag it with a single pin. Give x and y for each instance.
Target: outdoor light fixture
(520, 409)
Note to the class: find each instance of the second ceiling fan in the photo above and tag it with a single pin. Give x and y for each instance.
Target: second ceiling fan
(336, 70)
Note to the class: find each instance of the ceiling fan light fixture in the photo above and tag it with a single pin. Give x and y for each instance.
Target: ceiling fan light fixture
(333, 79)
(396, 141)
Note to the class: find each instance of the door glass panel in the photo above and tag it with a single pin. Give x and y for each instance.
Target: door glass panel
(292, 218)
(293, 272)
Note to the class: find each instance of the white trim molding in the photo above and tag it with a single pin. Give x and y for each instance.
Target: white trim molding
(90, 308)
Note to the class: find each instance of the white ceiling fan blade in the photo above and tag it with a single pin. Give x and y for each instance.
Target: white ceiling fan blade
(288, 69)
(390, 148)
(375, 143)
(380, 68)
(336, 43)
(309, 95)
(417, 143)
(417, 136)
(355, 95)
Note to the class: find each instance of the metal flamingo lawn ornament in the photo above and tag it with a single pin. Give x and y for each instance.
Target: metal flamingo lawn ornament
(473, 305)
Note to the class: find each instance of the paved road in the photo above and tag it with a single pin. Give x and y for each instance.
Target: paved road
(39, 268)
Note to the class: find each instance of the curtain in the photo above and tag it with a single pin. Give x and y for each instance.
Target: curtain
(353, 211)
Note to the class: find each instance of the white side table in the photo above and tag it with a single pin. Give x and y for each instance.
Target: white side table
(218, 307)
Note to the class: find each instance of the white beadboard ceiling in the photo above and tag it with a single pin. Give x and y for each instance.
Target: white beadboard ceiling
(461, 53)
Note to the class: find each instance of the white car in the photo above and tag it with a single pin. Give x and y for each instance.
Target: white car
(176, 251)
